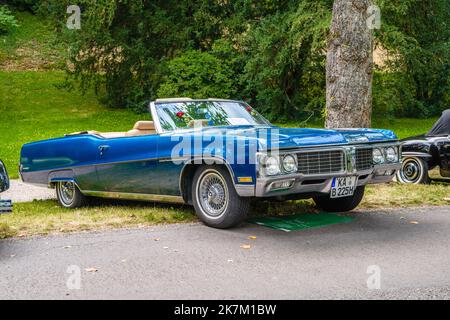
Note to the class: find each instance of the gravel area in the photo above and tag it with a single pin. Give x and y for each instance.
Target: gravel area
(21, 192)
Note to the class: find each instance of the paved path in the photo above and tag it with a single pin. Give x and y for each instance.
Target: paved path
(191, 261)
(21, 192)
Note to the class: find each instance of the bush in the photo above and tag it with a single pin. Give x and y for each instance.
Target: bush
(394, 95)
(29, 5)
(198, 74)
(7, 20)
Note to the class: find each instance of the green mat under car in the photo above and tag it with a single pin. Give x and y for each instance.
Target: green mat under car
(300, 221)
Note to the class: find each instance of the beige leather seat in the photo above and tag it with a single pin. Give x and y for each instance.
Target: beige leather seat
(142, 128)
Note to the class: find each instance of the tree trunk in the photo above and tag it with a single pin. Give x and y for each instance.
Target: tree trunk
(349, 66)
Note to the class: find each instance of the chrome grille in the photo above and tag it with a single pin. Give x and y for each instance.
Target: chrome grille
(364, 159)
(320, 162)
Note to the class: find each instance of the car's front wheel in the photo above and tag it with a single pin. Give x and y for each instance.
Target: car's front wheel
(414, 171)
(69, 196)
(215, 199)
(340, 204)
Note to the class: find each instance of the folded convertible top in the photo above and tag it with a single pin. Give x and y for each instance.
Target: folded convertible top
(442, 126)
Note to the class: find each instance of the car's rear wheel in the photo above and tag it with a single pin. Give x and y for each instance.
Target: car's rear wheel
(69, 196)
(414, 171)
(340, 204)
(215, 199)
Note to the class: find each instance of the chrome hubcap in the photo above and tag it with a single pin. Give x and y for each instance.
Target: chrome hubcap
(67, 192)
(411, 171)
(213, 194)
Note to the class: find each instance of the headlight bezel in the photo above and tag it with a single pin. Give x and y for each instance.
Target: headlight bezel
(388, 155)
(380, 156)
(275, 165)
(294, 163)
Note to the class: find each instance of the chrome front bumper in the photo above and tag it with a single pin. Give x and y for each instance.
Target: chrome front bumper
(317, 184)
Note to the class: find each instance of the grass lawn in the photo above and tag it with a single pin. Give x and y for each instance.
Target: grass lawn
(47, 217)
(31, 46)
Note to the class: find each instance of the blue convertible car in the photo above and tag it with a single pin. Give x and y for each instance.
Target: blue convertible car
(217, 155)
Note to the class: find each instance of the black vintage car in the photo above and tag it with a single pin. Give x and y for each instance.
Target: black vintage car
(4, 180)
(426, 152)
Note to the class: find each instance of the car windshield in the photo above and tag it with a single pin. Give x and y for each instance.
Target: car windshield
(190, 114)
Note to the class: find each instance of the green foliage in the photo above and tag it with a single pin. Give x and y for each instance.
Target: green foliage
(7, 20)
(29, 5)
(285, 71)
(394, 95)
(271, 51)
(198, 74)
(416, 35)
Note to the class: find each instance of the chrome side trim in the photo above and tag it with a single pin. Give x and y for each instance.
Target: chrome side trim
(416, 154)
(134, 196)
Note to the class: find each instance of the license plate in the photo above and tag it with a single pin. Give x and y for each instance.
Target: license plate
(343, 187)
(6, 206)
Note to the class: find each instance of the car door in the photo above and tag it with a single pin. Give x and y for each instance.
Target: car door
(169, 165)
(129, 165)
(445, 158)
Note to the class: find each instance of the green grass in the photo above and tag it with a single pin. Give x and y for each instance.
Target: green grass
(32, 108)
(31, 46)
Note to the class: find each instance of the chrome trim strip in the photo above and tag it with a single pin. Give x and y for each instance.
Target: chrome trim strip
(155, 118)
(416, 154)
(134, 196)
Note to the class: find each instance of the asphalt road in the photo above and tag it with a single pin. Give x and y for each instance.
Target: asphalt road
(192, 261)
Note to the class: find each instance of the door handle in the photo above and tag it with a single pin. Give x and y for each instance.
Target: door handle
(103, 149)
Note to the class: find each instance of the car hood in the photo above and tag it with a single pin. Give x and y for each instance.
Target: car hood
(287, 138)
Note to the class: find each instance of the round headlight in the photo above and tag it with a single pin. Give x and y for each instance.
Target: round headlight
(289, 163)
(272, 165)
(377, 155)
(391, 154)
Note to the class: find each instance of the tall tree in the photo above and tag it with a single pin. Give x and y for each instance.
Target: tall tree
(349, 66)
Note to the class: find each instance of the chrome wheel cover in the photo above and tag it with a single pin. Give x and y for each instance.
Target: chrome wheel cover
(212, 194)
(412, 170)
(66, 191)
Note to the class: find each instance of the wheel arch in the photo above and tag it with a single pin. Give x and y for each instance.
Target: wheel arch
(61, 176)
(428, 158)
(189, 169)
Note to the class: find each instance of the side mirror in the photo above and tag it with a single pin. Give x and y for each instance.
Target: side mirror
(4, 179)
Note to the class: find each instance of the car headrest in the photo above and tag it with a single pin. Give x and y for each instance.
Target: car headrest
(144, 125)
